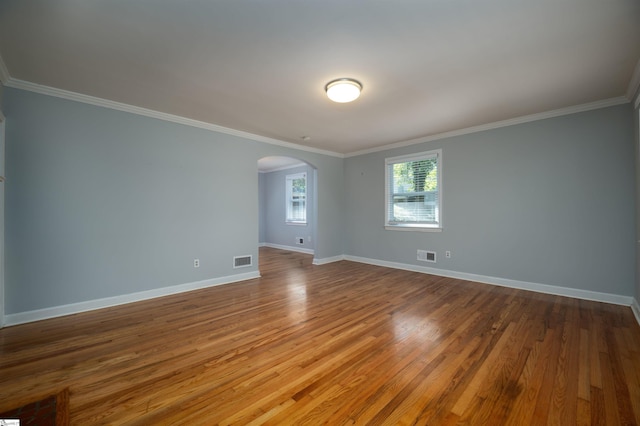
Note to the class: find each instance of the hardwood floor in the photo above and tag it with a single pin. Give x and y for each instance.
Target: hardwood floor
(343, 343)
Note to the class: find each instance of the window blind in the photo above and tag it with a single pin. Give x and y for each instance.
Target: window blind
(296, 198)
(413, 190)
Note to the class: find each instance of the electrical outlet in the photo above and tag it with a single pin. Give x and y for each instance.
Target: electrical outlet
(196, 263)
(447, 254)
(299, 240)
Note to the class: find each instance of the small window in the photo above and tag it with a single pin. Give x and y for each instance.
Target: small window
(296, 197)
(414, 191)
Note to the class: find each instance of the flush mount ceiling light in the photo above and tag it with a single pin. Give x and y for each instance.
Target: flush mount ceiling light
(343, 90)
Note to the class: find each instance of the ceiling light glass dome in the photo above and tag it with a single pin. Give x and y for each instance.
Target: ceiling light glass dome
(343, 90)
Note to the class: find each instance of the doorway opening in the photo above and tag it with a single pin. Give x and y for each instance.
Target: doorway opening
(287, 204)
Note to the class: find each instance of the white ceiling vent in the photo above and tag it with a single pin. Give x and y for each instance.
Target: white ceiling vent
(242, 261)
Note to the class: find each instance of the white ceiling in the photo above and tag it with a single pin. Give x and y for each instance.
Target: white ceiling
(427, 66)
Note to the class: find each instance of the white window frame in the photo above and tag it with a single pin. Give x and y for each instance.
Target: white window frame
(412, 226)
(289, 220)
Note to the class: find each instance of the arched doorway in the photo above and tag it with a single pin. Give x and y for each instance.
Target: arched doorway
(287, 189)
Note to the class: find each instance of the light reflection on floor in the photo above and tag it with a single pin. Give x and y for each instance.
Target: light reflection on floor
(413, 327)
(297, 297)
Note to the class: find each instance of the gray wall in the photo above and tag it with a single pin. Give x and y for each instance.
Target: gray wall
(276, 230)
(547, 202)
(637, 181)
(2, 221)
(102, 203)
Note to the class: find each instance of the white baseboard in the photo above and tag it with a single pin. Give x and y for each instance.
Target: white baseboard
(90, 305)
(290, 248)
(636, 310)
(503, 282)
(74, 308)
(326, 260)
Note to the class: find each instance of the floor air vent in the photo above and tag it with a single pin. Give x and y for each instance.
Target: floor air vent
(242, 261)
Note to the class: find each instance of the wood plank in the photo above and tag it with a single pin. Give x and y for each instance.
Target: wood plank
(343, 343)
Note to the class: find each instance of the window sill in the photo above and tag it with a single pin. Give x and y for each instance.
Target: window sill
(415, 228)
(296, 223)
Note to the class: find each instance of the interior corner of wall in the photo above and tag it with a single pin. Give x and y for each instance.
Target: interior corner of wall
(635, 307)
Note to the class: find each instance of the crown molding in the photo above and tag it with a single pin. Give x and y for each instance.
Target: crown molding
(498, 124)
(119, 106)
(92, 100)
(633, 91)
(4, 72)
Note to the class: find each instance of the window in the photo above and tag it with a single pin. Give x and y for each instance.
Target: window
(414, 191)
(296, 198)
